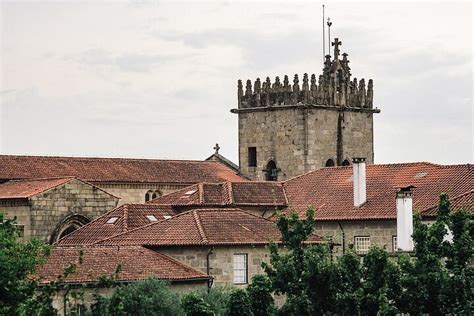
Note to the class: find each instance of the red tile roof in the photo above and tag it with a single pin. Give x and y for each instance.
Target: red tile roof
(461, 202)
(137, 263)
(246, 193)
(19, 189)
(203, 227)
(23, 189)
(129, 217)
(330, 190)
(115, 169)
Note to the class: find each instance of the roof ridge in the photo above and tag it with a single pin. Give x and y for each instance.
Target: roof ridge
(201, 192)
(125, 218)
(231, 193)
(42, 178)
(108, 158)
(197, 219)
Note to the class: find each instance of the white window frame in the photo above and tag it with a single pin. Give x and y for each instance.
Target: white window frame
(361, 244)
(240, 267)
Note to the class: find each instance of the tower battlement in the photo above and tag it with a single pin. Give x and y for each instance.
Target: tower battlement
(334, 87)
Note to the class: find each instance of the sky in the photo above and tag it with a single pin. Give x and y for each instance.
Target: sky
(158, 79)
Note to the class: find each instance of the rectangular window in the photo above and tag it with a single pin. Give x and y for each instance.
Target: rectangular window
(20, 229)
(394, 244)
(362, 244)
(240, 269)
(252, 156)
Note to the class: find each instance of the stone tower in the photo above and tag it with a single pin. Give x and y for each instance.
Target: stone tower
(286, 130)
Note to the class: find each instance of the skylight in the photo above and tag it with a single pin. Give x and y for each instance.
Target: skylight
(190, 192)
(112, 220)
(421, 174)
(152, 218)
(167, 216)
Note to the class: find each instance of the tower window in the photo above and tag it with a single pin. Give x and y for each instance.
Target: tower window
(346, 163)
(272, 171)
(252, 156)
(330, 163)
(150, 195)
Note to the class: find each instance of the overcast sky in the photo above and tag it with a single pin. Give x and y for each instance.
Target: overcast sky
(157, 80)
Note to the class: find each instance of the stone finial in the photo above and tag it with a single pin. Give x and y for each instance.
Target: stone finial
(268, 90)
(240, 93)
(248, 89)
(313, 90)
(336, 44)
(296, 84)
(257, 90)
(370, 94)
(286, 89)
(268, 84)
(320, 96)
(362, 93)
(216, 148)
(277, 84)
(305, 86)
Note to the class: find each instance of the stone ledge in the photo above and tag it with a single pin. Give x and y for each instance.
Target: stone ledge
(304, 106)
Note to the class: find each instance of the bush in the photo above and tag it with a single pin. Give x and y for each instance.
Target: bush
(259, 292)
(217, 298)
(239, 304)
(194, 305)
(148, 297)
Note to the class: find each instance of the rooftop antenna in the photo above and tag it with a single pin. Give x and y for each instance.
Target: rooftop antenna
(329, 36)
(324, 31)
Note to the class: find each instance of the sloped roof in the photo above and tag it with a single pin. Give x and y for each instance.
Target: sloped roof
(245, 193)
(128, 217)
(115, 169)
(137, 263)
(23, 189)
(461, 202)
(218, 157)
(203, 227)
(330, 190)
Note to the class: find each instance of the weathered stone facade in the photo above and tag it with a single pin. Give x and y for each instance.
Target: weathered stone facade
(287, 130)
(221, 266)
(50, 214)
(134, 193)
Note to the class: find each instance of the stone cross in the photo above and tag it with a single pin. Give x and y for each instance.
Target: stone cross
(216, 148)
(336, 44)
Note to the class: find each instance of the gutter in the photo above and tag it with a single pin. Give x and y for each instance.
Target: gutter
(343, 237)
(208, 269)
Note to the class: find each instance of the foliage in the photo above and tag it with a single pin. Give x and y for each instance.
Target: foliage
(194, 305)
(259, 292)
(216, 297)
(239, 303)
(147, 297)
(17, 261)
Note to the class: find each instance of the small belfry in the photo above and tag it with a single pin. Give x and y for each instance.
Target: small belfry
(286, 129)
(334, 88)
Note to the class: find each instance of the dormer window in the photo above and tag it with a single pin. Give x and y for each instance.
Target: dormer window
(151, 195)
(112, 220)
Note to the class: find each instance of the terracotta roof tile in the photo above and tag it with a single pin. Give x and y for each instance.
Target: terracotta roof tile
(245, 193)
(330, 190)
(137, 263)
(203, 227)
(115, 169)
(129, 217)
(461, 202)
(18, 189)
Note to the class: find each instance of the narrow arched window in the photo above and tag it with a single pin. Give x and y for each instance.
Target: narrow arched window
(272, 171)
(150, 195)
(346, 163)
(330, 163)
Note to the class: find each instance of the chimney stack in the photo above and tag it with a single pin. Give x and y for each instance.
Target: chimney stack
(405, 219)
(360, 195)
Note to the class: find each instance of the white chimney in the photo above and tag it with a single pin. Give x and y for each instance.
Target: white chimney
(405, 219)
(360, 195)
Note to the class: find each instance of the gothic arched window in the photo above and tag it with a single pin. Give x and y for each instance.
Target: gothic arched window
(271, 171)
(330, 163)
(67, 226)
(346, 163)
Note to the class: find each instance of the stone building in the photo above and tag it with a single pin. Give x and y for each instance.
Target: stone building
(132, 180)
(286, 130)
(51, 208)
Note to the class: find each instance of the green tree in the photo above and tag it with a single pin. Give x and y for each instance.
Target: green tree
(260, 295)
(239, 304)
(17, 261)
(146, 297)
(194, 305)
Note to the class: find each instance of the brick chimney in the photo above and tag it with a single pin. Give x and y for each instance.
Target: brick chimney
(405, 219)
(360, 195)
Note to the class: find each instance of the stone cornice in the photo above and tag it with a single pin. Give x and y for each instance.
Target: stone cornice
(304, 106)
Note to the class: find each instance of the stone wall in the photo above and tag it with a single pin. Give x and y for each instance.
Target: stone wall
(220, 260)
(303, 138)
(135, 192)
(51, 209)
(22, 213)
